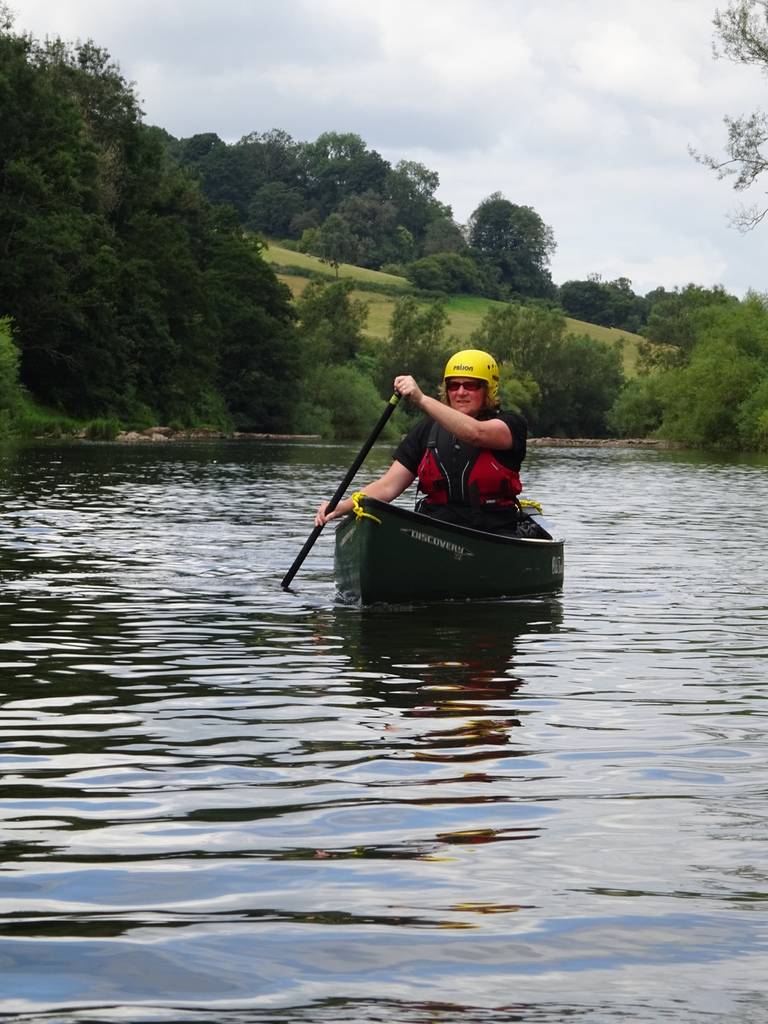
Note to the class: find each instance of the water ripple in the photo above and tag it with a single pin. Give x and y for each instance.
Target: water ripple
(222, 801)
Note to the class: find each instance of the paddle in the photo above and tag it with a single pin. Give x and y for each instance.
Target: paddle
(390, 408)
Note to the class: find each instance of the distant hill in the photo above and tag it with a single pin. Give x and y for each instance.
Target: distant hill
(379, 290)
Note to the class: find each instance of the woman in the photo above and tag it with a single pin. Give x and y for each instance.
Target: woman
(466, 453)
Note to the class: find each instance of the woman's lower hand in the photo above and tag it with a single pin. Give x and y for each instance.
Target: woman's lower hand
(322, 516)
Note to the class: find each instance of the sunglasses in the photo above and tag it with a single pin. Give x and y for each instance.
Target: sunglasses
(468, 385)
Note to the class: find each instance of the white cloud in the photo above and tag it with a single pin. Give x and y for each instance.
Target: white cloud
(621, 61)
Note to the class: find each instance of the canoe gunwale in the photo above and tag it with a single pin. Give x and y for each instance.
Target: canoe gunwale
(376, 507)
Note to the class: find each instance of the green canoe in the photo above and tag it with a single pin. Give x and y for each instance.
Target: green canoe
(392, 555)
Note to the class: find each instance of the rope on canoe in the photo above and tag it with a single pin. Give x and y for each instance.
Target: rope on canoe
(528, 503)
(359, 510)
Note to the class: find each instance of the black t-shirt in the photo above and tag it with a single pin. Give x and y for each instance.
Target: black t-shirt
(411, 449)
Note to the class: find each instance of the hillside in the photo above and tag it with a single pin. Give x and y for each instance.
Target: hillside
(465, 312)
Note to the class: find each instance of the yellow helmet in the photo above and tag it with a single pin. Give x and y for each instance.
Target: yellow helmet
(471, 362)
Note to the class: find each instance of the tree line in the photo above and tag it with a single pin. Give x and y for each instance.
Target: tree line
(129, 294)
(339, 200)
(133, 289)
(704, 383)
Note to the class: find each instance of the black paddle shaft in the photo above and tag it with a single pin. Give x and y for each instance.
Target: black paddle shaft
(390, 408)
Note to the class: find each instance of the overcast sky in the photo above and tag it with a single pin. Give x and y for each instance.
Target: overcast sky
(579, 108)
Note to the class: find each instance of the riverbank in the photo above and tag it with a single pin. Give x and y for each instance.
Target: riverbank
(162, 434)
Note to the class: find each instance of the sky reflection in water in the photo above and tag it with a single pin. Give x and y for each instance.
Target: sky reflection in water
(221, 799)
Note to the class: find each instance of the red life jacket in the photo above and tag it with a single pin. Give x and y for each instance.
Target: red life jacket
(452, 472)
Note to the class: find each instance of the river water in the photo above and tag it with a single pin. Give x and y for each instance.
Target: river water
(223, 802)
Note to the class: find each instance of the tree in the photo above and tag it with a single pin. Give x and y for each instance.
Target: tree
(714, 392)
(273, 208)
(741, 33)
(339, 165)
(165, 315)
(226, 178)
(333, 242)
(282, 188)
(675, 321)
(717, 398)
(262, 176)
(446, 272)
(517, 241)
(131, 295)
(443, 234)
(752, 418)
(331, 332)
(524, 336)
(10, 388)
(610, 303)
(58, 260)
(579, 385)
(416, 345)
(638, 409)
(586, 300)
(274, 157)
(259, 349)
(331, 322)
(411, 187)
(518, 394)
(372, 223)
(196, 148)
(573, 379)
(318, 409)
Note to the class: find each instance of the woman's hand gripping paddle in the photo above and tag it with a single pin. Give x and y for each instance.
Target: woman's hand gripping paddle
(340, 490)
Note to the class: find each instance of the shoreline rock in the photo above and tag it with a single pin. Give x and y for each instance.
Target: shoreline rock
(161, 434)
(601, 442)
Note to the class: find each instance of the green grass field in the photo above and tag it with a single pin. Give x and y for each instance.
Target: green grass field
(288, 258)
(465, 312)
